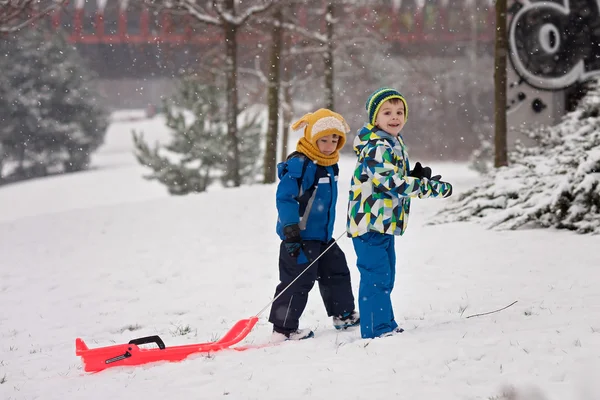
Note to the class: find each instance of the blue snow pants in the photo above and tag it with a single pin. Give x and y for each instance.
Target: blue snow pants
(332, 273)
(376, 262)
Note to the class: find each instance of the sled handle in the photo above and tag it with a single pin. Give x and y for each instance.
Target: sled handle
(149, 339)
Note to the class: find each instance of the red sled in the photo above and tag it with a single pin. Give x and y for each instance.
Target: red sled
(95, 360)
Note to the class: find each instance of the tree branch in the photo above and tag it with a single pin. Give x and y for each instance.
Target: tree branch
(254, 10)
(202, 14)
(184, 7)
(491, 312)
(14, 13)
(305, 32)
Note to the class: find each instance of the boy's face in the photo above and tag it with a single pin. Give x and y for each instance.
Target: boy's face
(328, 144)
(390, 117)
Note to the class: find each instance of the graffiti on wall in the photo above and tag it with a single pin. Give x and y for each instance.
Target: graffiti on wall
(554, 44)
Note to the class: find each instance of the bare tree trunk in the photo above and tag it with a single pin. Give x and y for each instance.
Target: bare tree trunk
(328, 57)
(474, 48)
(500, 140)
(270, 159)
(288, 114)
(230, 33)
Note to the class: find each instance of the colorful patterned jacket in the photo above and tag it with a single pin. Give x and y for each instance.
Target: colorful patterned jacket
(381, 189)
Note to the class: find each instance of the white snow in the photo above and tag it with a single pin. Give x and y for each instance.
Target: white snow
(108, 256)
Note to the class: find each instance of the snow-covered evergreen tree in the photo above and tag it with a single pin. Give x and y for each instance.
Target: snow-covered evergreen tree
(553, 184)
(50, 117)
(230, 17)
(198, 151)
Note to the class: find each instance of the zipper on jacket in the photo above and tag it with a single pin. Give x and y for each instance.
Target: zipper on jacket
(331, 182)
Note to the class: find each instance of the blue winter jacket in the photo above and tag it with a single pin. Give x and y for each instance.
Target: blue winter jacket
(314, 213)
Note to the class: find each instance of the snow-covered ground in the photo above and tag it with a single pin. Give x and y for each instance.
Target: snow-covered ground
(108, 256)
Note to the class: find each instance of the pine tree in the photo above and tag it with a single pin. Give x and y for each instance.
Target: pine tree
(230, 17)
(50, 117)
(197, 153)
(555, 183)
(250, 128)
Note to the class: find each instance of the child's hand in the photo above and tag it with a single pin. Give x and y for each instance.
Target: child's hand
(442, 187)
(420, 172)
(448, 187)
(293, 240)
(293, 249)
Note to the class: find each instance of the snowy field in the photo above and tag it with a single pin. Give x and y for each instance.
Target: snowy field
(108, 256)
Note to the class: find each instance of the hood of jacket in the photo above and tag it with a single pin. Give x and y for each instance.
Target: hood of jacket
(368, 133)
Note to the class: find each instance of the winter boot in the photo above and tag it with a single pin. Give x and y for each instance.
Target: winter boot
(282, 334)
(346, 320)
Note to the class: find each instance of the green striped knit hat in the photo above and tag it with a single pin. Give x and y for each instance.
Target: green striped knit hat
(380, 96)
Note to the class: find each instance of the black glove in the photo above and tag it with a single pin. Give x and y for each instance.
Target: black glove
(420, 172)
(436, 178)
(293, 240)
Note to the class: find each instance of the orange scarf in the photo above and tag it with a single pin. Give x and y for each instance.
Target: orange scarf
(311, 151)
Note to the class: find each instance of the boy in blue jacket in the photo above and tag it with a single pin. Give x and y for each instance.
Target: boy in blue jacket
(306, 201)
(380, 194)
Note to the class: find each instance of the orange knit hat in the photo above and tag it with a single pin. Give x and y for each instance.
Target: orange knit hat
(321, 123)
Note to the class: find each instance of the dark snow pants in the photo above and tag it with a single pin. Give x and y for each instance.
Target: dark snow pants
(331, 270)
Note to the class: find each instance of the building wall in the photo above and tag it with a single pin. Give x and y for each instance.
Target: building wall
(553, 48)
(528, 107)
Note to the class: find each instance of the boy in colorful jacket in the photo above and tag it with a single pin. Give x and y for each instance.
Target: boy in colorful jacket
(306, 201)
(381, 190)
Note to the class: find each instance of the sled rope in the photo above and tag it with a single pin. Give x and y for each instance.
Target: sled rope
(299, 275)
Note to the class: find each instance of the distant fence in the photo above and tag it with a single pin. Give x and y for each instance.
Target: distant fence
(410, 21)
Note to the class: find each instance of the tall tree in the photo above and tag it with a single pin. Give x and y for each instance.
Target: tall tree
(51, 119)
(16, 14)
(341, 37)
(328, 56)
(288, 114)
(293, 46)
(274, 83)
(500, 55)
(226, 15)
